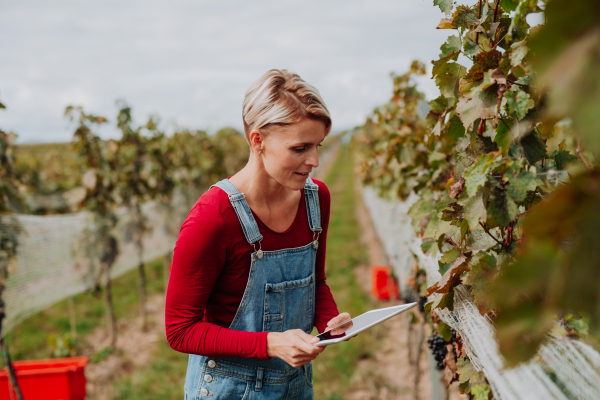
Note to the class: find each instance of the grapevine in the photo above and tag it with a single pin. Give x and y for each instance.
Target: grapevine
(505, 168)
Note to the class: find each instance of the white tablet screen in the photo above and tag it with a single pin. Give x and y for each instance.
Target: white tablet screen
(360, 322)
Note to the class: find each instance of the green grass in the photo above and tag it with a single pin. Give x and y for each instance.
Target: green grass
(163, 379)
(335, 366)
(29, 340)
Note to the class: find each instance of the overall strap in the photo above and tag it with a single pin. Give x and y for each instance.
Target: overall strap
(241, 208)
(311, 194)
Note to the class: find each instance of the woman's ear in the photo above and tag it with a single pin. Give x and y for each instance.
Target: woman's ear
(256, 140)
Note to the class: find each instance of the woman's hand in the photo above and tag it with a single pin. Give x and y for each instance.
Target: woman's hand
(340, 319)
(294, 347)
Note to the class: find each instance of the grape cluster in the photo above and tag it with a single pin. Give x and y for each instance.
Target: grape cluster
(437, 345)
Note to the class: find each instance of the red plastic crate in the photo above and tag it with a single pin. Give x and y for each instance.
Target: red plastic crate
(54, 379)
(383, 284)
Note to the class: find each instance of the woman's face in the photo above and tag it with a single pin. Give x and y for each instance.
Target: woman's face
(290, 152)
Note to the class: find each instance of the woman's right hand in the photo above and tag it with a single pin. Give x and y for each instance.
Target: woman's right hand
(295, 347)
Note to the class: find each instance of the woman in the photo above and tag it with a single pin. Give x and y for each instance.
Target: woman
(248, 276)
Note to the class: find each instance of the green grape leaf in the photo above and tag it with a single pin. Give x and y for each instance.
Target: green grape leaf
(509, 5)
(450, 256)
(452, 46)
(520, 184)
(465, 369)
(438, 106)
(443, 267)
(481, 276)
(444, 331)
(562, 158)
(456, 129)
(454, 213)
(518, 51)
(501, 208)
(534, 149)
(485, 61)
(471, 48)
(481, 105)
(429, 247)
(474, 209)
(481, 392)
(463, 16)
(475, 178)
(447, 77)
(518, 102)
(444, 5)
(503, 136)
(445, 301)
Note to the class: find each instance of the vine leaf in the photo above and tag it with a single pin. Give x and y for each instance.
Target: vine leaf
(562, 158)
(471, 48)
(452, 277)
(518, 51)
(465, 369)
(501, 208)
(452, 46)
(534, 149)
(520, 184)
(474, 209)
(445, 23)
(518, 102)
(482, 63)
(480, 106)
(475, 178)
(482, 274)
(464, 16)
(503, 136)
(509, 5)
(447, 76)
(450, 256)
(444, 5)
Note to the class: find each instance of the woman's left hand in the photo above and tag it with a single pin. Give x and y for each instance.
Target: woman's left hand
(340, 319)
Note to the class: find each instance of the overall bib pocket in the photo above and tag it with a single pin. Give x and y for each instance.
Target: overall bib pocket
(292, 299)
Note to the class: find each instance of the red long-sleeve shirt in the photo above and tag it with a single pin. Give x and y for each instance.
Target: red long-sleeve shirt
(211, 264)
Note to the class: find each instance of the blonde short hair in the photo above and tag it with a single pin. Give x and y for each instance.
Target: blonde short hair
(282, 98)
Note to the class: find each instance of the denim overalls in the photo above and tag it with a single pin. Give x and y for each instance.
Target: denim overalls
(280, 295)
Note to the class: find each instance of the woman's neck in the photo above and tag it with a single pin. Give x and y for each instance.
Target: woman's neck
(259, 188)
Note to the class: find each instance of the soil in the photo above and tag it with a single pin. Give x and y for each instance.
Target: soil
(135, 348)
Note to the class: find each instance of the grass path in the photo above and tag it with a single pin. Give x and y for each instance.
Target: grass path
(336, 365)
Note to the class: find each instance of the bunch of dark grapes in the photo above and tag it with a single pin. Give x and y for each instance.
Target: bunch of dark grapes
(437, 345)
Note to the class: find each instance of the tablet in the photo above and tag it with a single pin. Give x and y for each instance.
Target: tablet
(361, 323)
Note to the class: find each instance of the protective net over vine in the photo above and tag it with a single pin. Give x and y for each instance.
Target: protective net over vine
(60, 255)
(561, 359)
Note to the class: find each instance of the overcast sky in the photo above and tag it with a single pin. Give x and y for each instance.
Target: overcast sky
(191, 61)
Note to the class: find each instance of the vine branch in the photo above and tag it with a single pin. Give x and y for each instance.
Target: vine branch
(485, 228)
(453, 243)
(580, 154)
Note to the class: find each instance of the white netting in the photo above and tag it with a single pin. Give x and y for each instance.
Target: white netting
(573, 365)
(57, 257)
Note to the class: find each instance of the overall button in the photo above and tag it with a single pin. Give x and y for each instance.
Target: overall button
(212, 364)
(259, 254)
(204, 392)
(316, 244)
(208, 378)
